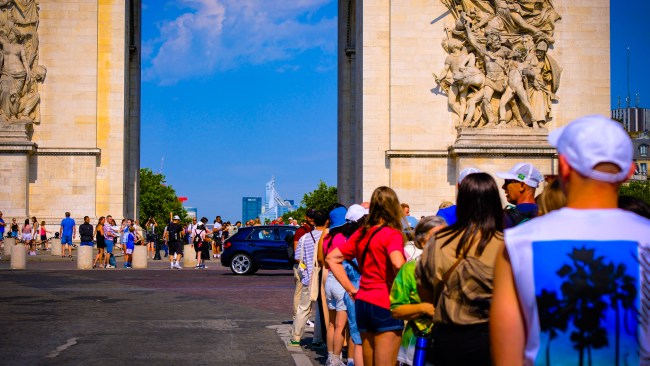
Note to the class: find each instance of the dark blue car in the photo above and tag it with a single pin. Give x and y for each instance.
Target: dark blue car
(258, 247)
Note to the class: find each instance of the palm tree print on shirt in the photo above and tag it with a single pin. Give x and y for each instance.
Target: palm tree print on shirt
(588, 302)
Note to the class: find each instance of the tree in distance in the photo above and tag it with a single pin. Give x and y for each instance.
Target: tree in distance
(158, 199)
(321, 198)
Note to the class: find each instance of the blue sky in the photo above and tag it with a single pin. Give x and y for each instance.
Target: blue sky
(235, 92)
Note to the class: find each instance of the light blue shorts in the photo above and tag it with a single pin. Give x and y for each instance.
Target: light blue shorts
(335, 293)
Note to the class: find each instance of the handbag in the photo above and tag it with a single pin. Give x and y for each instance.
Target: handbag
(314, 281)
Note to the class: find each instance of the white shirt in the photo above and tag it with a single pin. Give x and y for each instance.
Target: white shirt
(547, 254)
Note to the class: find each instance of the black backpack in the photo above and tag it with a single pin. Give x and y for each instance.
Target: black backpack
(519, 217)
(197, 238)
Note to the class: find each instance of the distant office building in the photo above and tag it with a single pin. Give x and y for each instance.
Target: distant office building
(633, 119)
(641, 156)
(251, 207)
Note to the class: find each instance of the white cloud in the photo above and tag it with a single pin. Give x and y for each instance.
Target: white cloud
(213, 35)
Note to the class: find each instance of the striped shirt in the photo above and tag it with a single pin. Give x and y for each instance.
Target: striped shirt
(305, 253)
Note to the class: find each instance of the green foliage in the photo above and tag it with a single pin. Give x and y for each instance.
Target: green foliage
(638, 189)
(321, 198)
(157, 199)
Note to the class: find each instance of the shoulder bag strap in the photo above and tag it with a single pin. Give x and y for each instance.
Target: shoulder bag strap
(437, 290)
(365, 250)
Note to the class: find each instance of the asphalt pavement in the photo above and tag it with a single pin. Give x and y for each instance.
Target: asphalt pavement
(53, 314)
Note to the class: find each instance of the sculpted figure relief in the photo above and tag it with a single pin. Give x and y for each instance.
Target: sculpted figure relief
(20, 72)
(498, 57)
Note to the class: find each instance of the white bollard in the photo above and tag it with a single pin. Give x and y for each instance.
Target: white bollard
(55, 245)
(9, 244)
(189, 256)
(19, 256)
(85, 257)
(139, 257)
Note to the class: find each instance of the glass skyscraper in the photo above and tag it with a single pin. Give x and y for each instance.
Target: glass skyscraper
(251, 208)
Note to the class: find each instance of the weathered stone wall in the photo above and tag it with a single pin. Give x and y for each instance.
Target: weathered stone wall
(407, 127)
(88, 137)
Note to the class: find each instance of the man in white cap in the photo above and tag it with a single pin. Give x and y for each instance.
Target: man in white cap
(569, 276)
(173, 237)
(520, 185)
(449, 213)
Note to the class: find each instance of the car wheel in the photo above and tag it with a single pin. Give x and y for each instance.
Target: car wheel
(242, 264)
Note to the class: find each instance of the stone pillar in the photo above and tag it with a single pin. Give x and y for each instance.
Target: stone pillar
(55, 245)
(189, 256)
(140, 257)
(85, 257)
(9, 244)
(15, 150)
(19, 256)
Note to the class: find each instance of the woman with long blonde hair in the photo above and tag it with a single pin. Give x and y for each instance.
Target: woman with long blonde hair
(378, 247)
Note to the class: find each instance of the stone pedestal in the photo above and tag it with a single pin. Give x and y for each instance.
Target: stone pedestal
(85, 257)
(15, 152)
(498, 149)
(19, 256)
(8, 246)
(140, 257)
(55, 245)
(189, 256)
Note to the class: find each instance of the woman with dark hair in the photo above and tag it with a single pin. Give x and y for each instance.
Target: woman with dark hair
(101, 243)
(456, 275)
(378, 247)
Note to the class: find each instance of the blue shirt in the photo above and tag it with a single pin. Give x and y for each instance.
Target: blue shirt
(2, 227)
(130, 240)
(67, 224)
(449, 214)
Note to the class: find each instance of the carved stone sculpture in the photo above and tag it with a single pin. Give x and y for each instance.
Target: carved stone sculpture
(20, 72)
(498, 57)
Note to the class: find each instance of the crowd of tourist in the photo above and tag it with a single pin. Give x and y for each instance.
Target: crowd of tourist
(468, 286)
(476, 284)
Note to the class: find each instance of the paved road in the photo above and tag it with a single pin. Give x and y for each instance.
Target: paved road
(53, 314)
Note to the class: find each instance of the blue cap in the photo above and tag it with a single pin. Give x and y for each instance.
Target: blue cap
(337, 217)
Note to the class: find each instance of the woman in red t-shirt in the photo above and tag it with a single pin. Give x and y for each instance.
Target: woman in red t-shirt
(378, 247)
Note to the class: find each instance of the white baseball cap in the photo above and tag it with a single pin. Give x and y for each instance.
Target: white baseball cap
(591, 140)
(355, 212)
(523, 172)
(465, 172)
(176, 217)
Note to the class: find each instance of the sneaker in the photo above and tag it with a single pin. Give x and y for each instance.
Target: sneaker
(178, 266)
(218, 255)
(203, 266)
(293, 343)
(126, 265)
(310, 324)
(109, 266)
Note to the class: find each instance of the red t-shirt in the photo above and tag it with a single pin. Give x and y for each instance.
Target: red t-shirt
(377, 274)
(304, 229)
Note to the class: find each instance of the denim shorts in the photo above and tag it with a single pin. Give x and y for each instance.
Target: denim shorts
(372, 318)
(66, 240)
(88, 243)
(335, 294)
